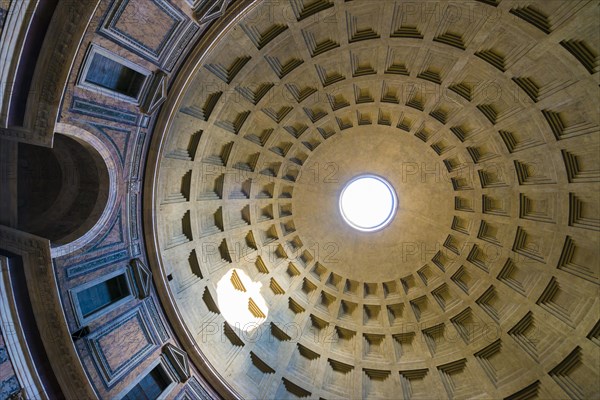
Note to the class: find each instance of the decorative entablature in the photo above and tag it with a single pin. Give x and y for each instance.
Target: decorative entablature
(44, 298)
(31, 119)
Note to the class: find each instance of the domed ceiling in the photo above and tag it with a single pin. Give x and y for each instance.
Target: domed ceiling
(483, 116)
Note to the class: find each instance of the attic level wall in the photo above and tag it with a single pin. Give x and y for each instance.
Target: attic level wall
(74, 163)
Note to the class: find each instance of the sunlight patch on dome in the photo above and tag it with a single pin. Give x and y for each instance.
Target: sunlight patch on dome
(240, 301)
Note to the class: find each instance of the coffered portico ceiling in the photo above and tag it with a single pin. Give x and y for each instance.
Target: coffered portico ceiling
(482, 116)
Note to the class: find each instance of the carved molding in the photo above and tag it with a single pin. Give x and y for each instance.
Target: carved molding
(134, 326)
(18, 16)
(155, 95)
(114, 177)
(178, 359)
(14, 337)
(49, 315)
(208, 10)
(53, 66)
(176, 36)
(142, 277)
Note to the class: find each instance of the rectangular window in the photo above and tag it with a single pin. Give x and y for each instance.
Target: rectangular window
(108, 73)
(100, 296)
(151, 386)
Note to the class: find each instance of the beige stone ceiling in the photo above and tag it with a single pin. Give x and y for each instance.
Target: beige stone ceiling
(484, 117)
(395, 251)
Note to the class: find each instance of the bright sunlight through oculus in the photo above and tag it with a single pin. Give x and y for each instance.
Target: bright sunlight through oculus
(240, 301)
(368, 203)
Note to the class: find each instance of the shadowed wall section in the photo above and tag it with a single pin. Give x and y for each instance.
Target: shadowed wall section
(62, 189)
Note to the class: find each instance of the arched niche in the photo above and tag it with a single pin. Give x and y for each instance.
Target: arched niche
(66, 193)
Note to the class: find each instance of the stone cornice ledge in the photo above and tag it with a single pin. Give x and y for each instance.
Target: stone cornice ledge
(54, 63)
(13, 37)
(47, 308)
